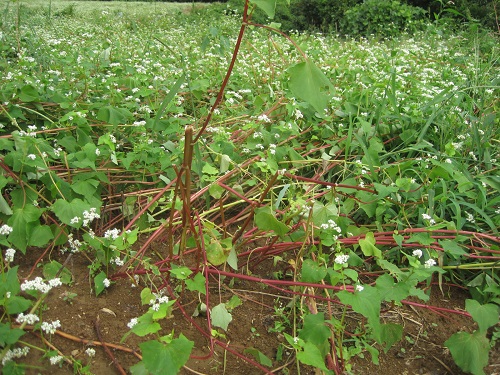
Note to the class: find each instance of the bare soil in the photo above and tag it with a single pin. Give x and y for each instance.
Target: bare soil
(421, 352)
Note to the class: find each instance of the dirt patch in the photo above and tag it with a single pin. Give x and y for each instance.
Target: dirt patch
(81, 313)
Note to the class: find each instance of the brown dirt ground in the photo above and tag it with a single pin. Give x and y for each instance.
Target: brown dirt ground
(421, 352)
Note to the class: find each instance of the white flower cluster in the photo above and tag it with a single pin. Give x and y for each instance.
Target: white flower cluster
(429, 263)
(9, 255)
(333, 226)
(132, 323)
(106, 282)
(89, 216)
(15, 353)
(119, 262)
(417, 253)
(30, 133)
(341, 258)
(429, 217)
(5, 230)
(90, 352)
(28, 318)
(50, 328)
(359, 287)
(56, 359)
(112, 234)
(159, 299)
(74, 244)
(39, 285)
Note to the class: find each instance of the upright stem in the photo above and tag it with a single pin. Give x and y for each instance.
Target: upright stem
(185, 190)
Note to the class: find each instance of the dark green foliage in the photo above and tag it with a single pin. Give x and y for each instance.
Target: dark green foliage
(322, 15)
(385, 18)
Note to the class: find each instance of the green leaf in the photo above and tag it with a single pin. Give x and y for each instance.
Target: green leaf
(309, 83)
(197, 283)
(99, 283)
(145, 325)
(9, 336)
(181, 273)
(114, 116)
(368, 246)
(312, 272)
(469, 351)
(29, 94)
(259, 356)
(220, 317)
(266, 221)
(322, 213)
(384, 191)
(17, 304)
(390, 334)
(314, 329)
(50, 270)
(166, 359)
(312, 356)
(366, 302)
(40, 235)
(23, 221)
(218, 251)
(391, 291)
(485, 316)
(268, 6)
(67, 211)
(452, 248)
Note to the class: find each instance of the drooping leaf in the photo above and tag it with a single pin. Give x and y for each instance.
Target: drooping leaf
(469, 351)
(310, 84)
(218, 251)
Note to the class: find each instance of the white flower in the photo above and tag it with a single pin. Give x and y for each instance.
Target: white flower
(90, 352)
(97, 152)
(298, 114)
(9, 255)
(28, 318)
(132, 323)
(112, 234)
(106, 283)
(5, 230)
(32, 156)
(429, 263)
(341, 259)
(429, 217)
(448, 160)
(263, 117)
(470, 217)
(55, 282)
(417, 253)
(359, 288)
(117, 261)
(39, 285)
(15, 353)
(56, 359)
(75, 220)
(50, 328)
